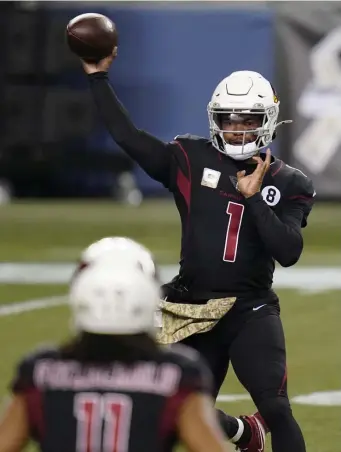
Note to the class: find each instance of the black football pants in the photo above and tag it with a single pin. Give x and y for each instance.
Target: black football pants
(252, 339)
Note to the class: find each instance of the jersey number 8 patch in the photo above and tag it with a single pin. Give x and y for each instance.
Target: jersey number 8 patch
(271, 195)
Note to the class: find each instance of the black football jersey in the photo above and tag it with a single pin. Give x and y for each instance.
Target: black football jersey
(80, 407)
(229, 243)
(222, 251)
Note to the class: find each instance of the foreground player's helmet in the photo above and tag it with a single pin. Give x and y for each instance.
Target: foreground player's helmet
(111, 297)
(244, 93)
(121, 248)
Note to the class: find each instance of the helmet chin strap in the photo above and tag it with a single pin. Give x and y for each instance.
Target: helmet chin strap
(244, 152)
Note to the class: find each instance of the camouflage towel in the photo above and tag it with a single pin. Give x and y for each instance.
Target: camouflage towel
(182, 320)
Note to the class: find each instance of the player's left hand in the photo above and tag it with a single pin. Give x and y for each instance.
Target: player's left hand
(251, 184)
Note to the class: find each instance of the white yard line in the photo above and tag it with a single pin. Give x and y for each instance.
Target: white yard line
(321, 398)
(305, 279)
(31, 305)
(232, 397)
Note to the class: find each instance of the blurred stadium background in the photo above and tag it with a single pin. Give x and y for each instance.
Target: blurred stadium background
(64, 183)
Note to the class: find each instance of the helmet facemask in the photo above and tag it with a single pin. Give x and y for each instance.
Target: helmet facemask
(243, 148)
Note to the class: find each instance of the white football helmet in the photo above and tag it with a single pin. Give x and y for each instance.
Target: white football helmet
(111, 297)
(122, 248)
(244, 92)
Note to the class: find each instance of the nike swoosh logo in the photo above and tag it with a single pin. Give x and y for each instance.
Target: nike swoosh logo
(258, 307)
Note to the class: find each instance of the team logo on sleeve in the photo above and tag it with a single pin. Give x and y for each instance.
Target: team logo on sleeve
(210, 178)
(271, 195)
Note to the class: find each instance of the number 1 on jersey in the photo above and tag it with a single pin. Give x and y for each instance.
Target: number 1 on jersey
(235, 212)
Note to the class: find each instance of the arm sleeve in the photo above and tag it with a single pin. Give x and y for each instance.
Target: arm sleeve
(281, 232)
(153, 155)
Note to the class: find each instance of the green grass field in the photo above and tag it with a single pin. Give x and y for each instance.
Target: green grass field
(57, 232)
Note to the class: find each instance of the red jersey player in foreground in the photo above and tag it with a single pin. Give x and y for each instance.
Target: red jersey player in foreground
(111, 387)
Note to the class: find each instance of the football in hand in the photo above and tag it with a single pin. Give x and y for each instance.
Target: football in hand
(91, 36)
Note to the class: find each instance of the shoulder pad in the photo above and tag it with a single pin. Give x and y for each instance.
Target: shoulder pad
(23, 378)
(181, 354)
(299, 184)
(185, 352)
(299, 188)
(41, 352)
(196, 374)
(188, 136)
